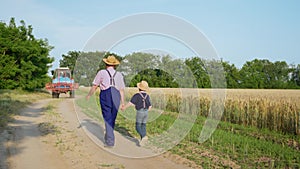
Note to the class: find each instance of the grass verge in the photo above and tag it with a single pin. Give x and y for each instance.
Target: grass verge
(11, 101)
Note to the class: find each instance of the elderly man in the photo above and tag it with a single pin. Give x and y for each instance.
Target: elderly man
(112, 86)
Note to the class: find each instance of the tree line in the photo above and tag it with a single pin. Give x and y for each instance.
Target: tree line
(25, 63)
(165, 71)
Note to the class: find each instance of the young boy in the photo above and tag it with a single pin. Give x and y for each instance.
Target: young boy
(142, 103)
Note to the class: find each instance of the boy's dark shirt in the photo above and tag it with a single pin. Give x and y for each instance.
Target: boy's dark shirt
(137, 100)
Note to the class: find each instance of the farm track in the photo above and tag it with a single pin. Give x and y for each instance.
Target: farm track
(39, 138)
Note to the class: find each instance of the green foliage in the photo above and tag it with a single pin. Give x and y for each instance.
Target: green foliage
(263, 74)
(24, 59)
(199, 70)
(164, 71)
(137, 63)
(159, 71)
(232, 75)
(295, 76)
(69, 60)
(155, 77)
(87, 65)
(252, 74)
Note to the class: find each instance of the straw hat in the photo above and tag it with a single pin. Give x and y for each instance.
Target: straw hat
(111, 60)
(143, 85)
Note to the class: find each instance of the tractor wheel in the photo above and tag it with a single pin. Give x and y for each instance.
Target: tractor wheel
(72, 93)
(55, 95)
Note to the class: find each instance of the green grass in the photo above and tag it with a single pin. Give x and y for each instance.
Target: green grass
(90, 108)
(11, 101)
(230, 145)
(263, 151)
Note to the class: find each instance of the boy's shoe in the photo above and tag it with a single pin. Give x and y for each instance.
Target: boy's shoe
(108, 146)
(143, 141)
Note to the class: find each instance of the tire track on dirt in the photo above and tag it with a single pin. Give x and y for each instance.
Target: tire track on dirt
(23, 147)
(43, 137)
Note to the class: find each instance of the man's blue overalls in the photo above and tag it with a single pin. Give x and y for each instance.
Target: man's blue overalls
(110, 102)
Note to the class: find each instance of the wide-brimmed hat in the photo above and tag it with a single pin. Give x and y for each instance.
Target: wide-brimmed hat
(143, 85)
(111, 60)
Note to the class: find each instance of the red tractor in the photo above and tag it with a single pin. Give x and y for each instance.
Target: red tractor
(62, 82)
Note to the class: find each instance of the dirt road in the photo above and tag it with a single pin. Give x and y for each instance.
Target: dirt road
(47, 137)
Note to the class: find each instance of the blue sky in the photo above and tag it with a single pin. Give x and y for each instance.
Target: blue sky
(240, 30)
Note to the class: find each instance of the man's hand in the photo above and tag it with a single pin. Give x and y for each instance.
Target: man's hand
(122, 107)
(92, 90)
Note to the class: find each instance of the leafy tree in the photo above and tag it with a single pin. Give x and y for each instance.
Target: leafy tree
(24, 59)
(69, 60)
(252, 74)
(135, 63)
(179, 73)
(265, 74)
(276, 75)
(159, 71)
(164, 71)
(216, 73)
(164, 79)
(199, 70)
(155, 78)
(232, 75)
(294, 81)
(87, 66)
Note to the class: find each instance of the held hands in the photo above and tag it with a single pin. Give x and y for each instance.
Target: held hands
(123, 107)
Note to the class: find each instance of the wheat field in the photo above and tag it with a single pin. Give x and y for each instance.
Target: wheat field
(277, 110)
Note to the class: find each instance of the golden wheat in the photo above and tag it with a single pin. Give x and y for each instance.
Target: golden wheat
(277, 110)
